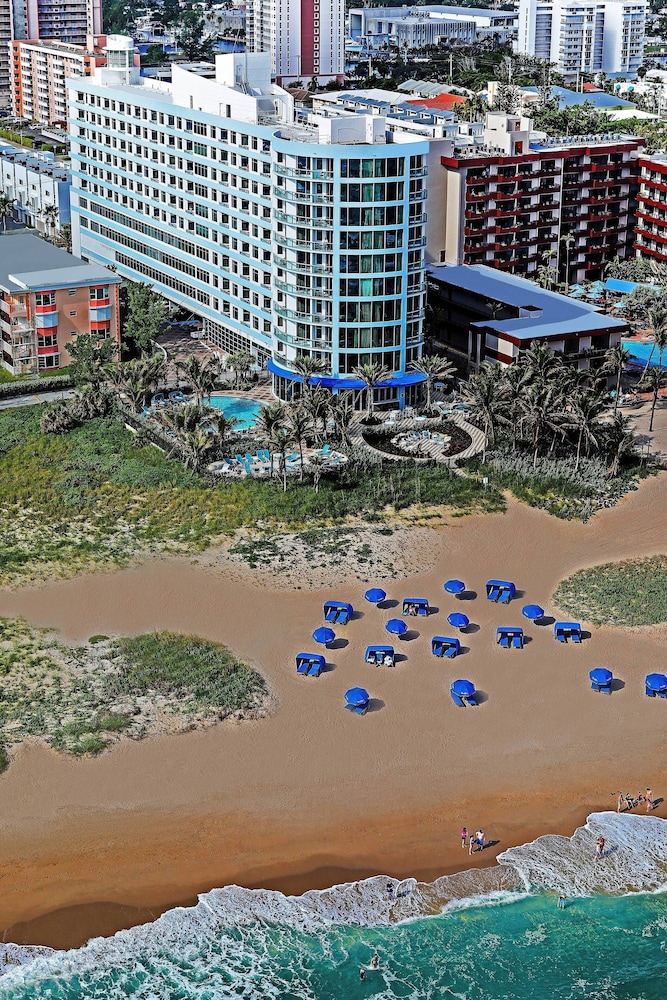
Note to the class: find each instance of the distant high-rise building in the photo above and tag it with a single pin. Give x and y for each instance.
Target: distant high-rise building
(584, 36)
(306, 38)
(69, 21)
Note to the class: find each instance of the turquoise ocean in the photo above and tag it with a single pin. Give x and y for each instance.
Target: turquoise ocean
(485, 934)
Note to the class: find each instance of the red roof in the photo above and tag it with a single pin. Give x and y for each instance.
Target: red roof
(590, 88)
(443, 102)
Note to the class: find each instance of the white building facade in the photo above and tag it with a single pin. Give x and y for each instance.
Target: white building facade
(35, 181)
(584, 36)
(305, 38)
(288, 239)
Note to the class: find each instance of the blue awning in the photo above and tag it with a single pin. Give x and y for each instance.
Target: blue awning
(398, 379)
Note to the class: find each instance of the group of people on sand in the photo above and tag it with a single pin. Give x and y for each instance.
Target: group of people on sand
(626, 802)
(474, 842)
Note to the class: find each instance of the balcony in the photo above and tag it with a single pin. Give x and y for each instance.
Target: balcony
(299, 290)
(319, 319)
(419, 242)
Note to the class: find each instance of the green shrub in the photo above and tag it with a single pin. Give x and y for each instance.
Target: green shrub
(94, 639)
(24, 387)
(4, 759)
(113, 722)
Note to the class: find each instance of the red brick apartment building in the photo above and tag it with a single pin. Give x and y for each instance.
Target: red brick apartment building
(47, 298)
(651, 227)
(511, 200)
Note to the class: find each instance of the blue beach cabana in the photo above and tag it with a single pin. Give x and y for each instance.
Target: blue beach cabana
(601, 679)
(443, 645)
(337, 612)
(324, 635)
(454, 587)
(357, 700)
(375, 595)
(509, 636)
(396, 626)
(415, 606)
(533, 612)
(458, 620)
(310, 664)
(380, 656)
(463, 693)
(500, 591)
(564, 631)
(656, 685)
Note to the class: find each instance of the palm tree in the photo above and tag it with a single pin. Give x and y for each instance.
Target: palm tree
(317, 402)
(57, 419)
(89, 401)
(515, 379)
(371, 374)
(201, 376)
(657, 320)
(281, 441)
(540, 362)
(433, 367)
(270, 419)
(223, 425)
(307, 366)
(51, 215)
(6, 210)
(620, 441)
(616, 361)
(240, 363)
(541, 411)
(195, 445)
(485, 395)
(184, 423)
(299, 426)
(342, 413)
(131, 378)
(653, 381)
(316, 465)
(587, 407)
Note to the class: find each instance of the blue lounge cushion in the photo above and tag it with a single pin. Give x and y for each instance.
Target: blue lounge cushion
(457, 701)
(315, 670)
(517, 641)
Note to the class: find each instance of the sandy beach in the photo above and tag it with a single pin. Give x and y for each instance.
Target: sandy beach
(313, 795)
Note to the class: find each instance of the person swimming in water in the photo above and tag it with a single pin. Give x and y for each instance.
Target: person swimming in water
(375, 961)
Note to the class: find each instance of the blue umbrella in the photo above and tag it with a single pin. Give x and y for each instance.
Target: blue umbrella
(464, 689)
(357, 696)
(375, 595)
(600, 675)
(324, 635)
(458, 620)
(532, 611)
(657, 682)
(455, 586)
(396, 626)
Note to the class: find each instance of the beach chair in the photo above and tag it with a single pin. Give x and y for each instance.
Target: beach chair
(177, 397)
(517, 641)
(324, 450)
(469, 700)
(158, 399)
(504, 641)
(457, 701)
(493, 594)
(239, 458)
(443, 645)
(310, 664)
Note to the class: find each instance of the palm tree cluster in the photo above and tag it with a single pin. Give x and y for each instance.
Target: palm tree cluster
(543, 404)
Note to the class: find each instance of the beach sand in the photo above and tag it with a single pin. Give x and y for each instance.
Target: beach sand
(313, 795)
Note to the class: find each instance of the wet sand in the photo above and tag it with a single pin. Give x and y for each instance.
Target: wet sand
(312, 794)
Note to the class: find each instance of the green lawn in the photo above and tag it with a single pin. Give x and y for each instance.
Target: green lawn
(633, 592)
(97, 495)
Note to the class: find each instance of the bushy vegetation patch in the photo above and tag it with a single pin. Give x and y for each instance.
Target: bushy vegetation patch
(633, 592)
(191, 669)
(95, 494)
(80, 700)
(554, 485)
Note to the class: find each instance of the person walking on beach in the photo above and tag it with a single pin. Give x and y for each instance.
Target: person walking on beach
(649, 800)
(620, 803)
(464, 836)
(479, 837)
(599, 848)
(471, 844)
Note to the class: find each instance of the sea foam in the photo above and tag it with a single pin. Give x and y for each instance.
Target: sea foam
(229, 925)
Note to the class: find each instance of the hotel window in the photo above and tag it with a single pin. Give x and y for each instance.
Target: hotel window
(99, 293)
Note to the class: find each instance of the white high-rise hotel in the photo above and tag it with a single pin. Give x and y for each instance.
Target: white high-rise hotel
(287, 238)
(584, 36)
(306, 38)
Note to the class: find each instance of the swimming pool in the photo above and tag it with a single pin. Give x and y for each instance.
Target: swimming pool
(642, 351)
(244, 410)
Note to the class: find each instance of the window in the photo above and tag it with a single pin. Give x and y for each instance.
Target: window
(72, 291)
(99, 293)
(45, 299)
(49, 361)
(72, 312)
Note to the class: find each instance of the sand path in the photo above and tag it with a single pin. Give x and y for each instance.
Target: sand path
(313, 787)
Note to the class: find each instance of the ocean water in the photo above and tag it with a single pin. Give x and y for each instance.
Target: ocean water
(491, 934)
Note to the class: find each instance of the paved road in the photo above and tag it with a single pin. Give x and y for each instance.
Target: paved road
(34, 398)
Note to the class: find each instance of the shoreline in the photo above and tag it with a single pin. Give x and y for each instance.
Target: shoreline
(137, 900)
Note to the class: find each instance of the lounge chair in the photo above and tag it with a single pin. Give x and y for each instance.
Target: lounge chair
(575, 636)
(303, 668)
(504, 597)
(469, 700)
(315, 670)
(158, 399)
(504, 641)
(177, 397)
(240, 459)
(457, 701)
(604, 688)
(517, 641)
(324, 449)
(494, 594)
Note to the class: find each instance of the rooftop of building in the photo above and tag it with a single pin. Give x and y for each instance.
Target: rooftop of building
(443, 102)
(33, 160)
(28, 262)
(549, 313)
(394, 12)
(571, 98)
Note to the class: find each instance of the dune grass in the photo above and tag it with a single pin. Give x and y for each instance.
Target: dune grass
(188, 668)
(633, 592)
(96, 495)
